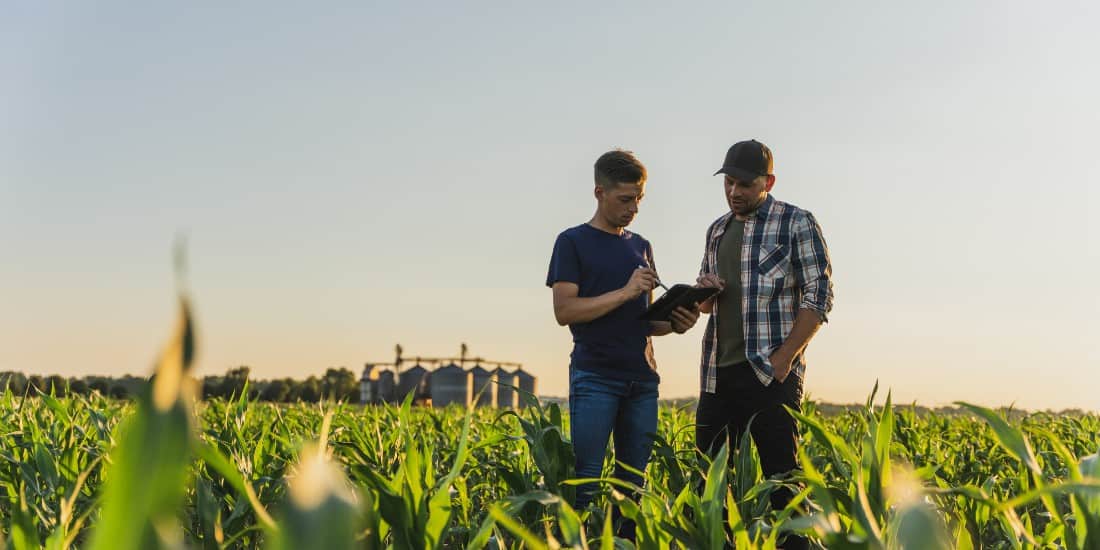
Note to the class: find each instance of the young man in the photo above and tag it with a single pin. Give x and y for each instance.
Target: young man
(770, 260)
(602, 276)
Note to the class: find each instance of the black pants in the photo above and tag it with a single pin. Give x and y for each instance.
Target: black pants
(724, 415)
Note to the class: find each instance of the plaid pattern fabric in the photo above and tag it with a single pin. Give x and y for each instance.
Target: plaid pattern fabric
(784, 267)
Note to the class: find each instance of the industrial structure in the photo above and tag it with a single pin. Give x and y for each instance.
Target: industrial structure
(487, 383)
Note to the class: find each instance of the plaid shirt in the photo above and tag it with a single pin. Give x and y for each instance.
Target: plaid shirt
(784, 267)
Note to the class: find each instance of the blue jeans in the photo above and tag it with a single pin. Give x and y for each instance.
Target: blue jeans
(600, 406)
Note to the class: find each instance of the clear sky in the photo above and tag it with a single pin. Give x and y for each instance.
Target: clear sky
(356, 175)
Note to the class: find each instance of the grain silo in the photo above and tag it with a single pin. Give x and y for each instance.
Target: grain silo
(383, 390)
(485, 388)
(527, 383)
(507, 396)
(413, 379)
(368, 385)
(451, 384)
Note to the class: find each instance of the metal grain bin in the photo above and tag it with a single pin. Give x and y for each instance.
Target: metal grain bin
(485, 388)
(451, 384)
(383, 392)
(413, 379)
(507, 396)
(527, 383)
(368, 385)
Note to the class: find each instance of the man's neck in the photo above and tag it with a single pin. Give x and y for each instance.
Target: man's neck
(599, 223)
(745, 217)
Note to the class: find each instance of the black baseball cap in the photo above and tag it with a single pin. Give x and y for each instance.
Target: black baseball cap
(747, 160)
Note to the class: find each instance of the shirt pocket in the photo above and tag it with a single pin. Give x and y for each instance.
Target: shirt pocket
(774, 262)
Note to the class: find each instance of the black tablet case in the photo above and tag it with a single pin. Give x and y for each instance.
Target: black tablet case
(678, 295)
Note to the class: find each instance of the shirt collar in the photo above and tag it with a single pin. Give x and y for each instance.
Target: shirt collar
(719, 226)
(761, 212)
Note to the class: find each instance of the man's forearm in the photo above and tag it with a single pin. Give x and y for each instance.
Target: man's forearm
(805, 326)
(582, 310)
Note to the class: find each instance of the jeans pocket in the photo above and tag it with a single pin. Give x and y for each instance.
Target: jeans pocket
(579, 376)
(648, 389)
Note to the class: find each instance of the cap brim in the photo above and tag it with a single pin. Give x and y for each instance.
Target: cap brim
(743, 175)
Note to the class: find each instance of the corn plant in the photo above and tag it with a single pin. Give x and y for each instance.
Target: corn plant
(165, 470)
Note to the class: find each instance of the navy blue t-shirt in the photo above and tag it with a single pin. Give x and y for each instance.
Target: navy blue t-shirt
(618, 344)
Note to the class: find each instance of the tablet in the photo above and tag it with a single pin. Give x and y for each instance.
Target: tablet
(678, 295)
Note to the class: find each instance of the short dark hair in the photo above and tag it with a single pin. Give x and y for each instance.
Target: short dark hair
(619, 166)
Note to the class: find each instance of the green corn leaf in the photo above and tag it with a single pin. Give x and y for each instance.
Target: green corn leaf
(214, 459)
(323, 509)
(921, 528)
(1007, 436)
(504, 520)
(572, 531)
(147, 481)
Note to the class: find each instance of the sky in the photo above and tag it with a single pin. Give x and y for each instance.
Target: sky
(354, 175)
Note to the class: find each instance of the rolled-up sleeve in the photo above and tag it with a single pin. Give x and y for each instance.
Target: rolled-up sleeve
(812, 266)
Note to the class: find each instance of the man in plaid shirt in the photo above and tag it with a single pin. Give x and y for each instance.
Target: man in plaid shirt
(770, 260)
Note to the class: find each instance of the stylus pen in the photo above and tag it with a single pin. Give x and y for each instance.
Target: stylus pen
(658, 280)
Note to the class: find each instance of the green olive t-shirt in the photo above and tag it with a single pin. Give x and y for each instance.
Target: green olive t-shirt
(731, 332)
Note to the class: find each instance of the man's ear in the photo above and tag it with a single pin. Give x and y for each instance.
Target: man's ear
(598, 192)
(770, 183)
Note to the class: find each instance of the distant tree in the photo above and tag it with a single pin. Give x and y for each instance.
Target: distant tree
(234, 381)
(119, 391)
(292, 390)
(275, 391)
(58, 385)
(100, 385)
(295, 393)
(133, 384)
(15, 382)
(340, 385)
(37, 384)
(309, 390)
(78, 386)
(211, 387)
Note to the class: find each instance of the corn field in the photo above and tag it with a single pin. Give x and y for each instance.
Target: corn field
(166, 471)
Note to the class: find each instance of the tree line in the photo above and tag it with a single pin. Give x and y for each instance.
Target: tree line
(338, 384)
